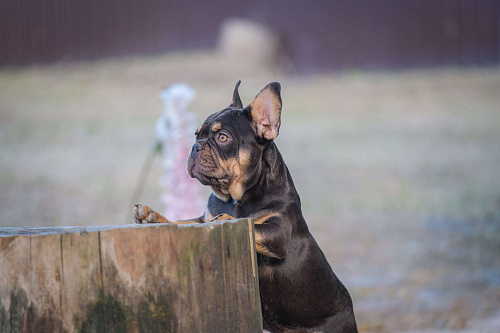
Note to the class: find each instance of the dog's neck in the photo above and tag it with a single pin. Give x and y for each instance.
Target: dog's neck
(271, 173)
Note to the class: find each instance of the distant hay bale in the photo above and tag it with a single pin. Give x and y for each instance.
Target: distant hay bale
(248, 41)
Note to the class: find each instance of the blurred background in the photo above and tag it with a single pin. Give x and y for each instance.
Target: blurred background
(391, 129)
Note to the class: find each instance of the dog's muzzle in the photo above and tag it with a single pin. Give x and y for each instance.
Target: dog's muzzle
(197, 147)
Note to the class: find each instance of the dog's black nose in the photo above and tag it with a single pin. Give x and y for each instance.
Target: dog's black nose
(196, 148)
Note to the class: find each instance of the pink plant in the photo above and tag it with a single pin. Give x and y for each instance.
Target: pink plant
(174, 131)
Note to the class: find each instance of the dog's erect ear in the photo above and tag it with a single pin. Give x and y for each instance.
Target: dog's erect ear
(236, 102)
(265, 111)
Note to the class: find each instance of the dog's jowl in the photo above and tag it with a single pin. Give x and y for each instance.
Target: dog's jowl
(236, 156)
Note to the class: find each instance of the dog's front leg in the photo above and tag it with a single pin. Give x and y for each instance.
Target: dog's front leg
(271, 235)
(144, 214)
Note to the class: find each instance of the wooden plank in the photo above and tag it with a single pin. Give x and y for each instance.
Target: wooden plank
(44, 311)
(170, 258)
(241, 277)
(125, 256)
(14, 231)
(130, 278)
(14, 283)
(81, 283)
(200, 273)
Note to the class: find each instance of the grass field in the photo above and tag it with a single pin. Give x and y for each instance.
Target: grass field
(398, 172)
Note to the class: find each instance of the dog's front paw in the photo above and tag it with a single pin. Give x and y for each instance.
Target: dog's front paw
(222, 217)
(144, 214)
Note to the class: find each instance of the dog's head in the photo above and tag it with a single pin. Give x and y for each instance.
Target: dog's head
(229, 145)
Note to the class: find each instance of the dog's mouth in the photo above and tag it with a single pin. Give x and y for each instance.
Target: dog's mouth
(219, 183)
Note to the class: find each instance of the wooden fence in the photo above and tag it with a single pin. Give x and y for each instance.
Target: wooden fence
(130, 278)
(316, 35)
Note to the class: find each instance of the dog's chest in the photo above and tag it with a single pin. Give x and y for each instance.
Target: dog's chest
(217, 207)
(234, 208)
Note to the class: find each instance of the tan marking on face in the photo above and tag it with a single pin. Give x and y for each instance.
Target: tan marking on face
(236, 168)
(198, 130)
(265, 218)
(238, 171)
(222, 196)
(236, 187)
(216, 127)
(244, 159)
(210, 163)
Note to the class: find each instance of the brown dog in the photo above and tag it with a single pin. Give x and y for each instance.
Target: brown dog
(236, 156)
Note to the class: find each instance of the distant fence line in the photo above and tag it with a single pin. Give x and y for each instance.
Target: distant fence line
(317, 35)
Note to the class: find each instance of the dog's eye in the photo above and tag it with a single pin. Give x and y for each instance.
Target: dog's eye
(222, 137)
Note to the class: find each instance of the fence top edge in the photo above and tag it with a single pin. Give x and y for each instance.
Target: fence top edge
(36, 231)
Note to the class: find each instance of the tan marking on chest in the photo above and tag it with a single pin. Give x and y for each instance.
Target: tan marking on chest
(261, 248)
(264, 218)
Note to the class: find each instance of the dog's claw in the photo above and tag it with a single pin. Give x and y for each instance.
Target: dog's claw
(144, 214)
(139, 213)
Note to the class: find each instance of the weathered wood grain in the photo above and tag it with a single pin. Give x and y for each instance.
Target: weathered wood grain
(44, 290)
(239, 277)
(133, 278)
(81, 282)
(14, 283)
